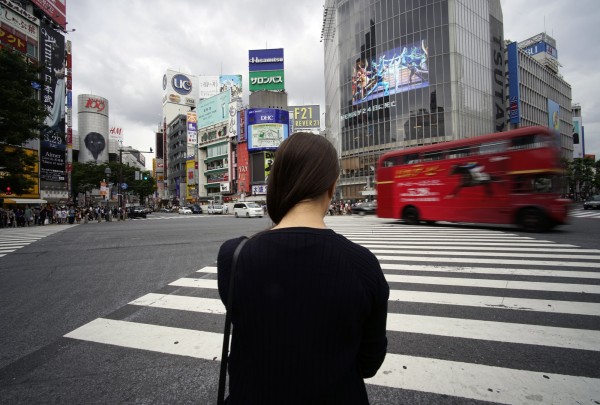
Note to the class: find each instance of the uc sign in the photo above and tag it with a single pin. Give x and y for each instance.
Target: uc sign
(181, 84)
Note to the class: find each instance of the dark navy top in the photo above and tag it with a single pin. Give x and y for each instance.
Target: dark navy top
(309, 318)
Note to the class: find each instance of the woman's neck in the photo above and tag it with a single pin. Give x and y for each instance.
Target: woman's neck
(307, 214)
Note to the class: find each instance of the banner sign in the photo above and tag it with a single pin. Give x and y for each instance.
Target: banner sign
(265, 59)
(267, 80)
(305, 116)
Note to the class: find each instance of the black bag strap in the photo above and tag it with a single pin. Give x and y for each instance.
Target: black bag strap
(227, 332)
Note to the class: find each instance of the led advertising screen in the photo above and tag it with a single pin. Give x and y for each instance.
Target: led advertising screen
(267, 128)
(399, 70)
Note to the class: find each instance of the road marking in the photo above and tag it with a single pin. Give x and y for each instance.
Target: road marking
(580, 339)
(484, 270)
(442, 249)
(494, 254)
(503, 284)
(482, 301)
(476, 260)
(459, 243)
(485, 383)
(163, 339)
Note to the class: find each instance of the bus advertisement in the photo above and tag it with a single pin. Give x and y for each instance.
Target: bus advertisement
(512, 177)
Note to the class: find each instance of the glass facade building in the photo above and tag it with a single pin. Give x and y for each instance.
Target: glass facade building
(402, 73)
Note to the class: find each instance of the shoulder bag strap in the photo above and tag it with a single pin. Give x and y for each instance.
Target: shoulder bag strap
(227, 332)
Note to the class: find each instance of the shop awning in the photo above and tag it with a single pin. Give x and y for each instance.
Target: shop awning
(24, 201)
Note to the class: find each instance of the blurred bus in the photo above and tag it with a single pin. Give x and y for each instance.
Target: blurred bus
(512, 177)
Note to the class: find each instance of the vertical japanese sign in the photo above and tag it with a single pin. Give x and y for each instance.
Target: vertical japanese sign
(53, 142)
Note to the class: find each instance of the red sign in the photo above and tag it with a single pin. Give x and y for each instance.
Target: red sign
(95, 103)
(55, 9)
(242, 167)
(12, 40)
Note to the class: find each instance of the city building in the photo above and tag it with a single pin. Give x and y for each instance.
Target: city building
(401, 74)
(538, 95)
(578, 132)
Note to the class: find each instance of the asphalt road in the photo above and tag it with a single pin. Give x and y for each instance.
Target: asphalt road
(74, 277)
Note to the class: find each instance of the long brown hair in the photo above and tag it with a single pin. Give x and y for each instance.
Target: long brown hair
(305, 166)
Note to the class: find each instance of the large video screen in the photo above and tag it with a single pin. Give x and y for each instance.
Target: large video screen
(401, 69)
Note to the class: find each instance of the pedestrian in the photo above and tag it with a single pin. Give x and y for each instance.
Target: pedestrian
(309, 306)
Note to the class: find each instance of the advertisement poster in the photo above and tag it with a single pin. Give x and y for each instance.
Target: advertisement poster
(214, 110)
(401, 69)
(192, 127)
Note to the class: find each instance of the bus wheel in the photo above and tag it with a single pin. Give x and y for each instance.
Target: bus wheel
(410, 216)
(533, 220)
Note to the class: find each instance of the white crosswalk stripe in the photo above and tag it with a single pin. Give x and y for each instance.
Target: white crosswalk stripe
(511, 282)
(581, 213)
(12, 239)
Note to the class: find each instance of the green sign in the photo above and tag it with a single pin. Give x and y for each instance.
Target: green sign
(267, 80)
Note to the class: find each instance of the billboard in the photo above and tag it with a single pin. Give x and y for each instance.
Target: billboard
(92, 126)
(192, 127)
(514, 98)
(267, 128)
(578, 141)
(265, 59)
(209, 86)
(553, 115)
(55, 9)
(180, 88)
(399, 70)
(19, 19)
(233, 83)
(53, 140)
(266, 69)
(243, 179)
(305, 116)
(214, 109)
(242, 129)
(540, 47)
(267, 80)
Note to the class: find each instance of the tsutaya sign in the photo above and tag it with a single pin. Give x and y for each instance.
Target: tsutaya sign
(266, 69)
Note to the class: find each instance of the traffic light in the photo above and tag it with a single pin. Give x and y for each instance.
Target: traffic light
(145, 177)
(8, 190)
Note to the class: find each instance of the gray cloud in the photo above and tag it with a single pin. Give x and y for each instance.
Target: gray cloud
(122, 49)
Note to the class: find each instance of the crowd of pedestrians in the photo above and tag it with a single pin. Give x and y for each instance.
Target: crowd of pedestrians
(342, 207)
(47, 215)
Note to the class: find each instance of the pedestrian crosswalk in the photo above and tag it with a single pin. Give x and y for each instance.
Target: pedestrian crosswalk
(581, 213)
(479, 315)
(12, 239)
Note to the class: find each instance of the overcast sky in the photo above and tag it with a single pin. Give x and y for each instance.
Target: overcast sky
(121, 49)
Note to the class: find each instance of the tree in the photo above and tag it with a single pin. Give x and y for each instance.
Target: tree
(145, 187)
(21, 116)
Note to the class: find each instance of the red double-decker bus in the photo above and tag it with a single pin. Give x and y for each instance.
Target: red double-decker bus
(512, 177)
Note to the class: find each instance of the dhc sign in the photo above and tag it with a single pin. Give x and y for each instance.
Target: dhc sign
(181, 84)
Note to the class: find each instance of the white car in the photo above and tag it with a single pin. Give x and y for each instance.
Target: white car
(217, 209)
(247, 209)
(185, 211)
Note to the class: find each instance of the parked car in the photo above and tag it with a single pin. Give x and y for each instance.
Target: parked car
(196, 209)
(367, 208)
(216, 209)
(137, 212)
(165, 209)
(247, 209)
(185, 211)
(592, 203)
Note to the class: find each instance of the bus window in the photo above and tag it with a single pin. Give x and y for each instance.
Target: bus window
(492, 147)
(458, 152)
(410, 159)
(531, 141)
(435, 155)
